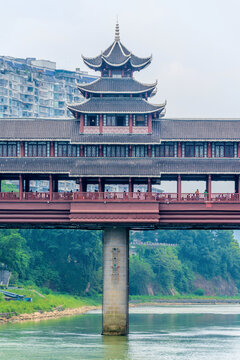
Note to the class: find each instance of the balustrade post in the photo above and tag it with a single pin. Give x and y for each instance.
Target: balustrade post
(179, 187)
(209, 188)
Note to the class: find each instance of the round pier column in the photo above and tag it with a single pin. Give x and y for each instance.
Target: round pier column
(115, 281)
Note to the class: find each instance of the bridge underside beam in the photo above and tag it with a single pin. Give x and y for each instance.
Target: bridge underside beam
(115, 281)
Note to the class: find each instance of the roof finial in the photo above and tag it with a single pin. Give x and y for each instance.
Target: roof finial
(117, 32)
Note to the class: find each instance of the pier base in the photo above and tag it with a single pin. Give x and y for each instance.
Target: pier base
(115, 281)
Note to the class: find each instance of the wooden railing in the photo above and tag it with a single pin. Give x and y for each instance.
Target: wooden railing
(118, 197)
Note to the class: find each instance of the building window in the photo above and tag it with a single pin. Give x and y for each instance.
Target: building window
(194, 149)
(110, 120)
(164, 150)
(8, 149)
(92, 120)
(115, 151)
(224, 150)
(140, 120)
(37, 149)
(91, 151)
(139, 151)
(66, 150)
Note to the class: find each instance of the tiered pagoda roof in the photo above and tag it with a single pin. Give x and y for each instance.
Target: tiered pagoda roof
(117, 56)
(116, 106)
(116, 92)
(116, 86)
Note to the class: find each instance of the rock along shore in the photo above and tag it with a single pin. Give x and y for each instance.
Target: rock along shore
(37, 316)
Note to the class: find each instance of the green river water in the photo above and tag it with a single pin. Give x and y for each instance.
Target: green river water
(164, 333)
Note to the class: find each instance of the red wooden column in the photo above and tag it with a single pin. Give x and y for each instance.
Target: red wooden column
(100, 124)
(22, 150)
(20, 187)
(238, 150)
(81, 151)
(179, 149)
(100, 151)
(50, 187)
(179, 188)
(209, 150)
(100, 185)
(130, 186)
(130, 151)
(238, 187)
(52, 153)
(149, 151)
(81, 185)
(209, 187)
(149, 123)
(149, 185)
(130, 123)
(81, 123)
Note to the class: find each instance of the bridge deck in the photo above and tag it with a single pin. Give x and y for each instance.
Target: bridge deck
(132, 210)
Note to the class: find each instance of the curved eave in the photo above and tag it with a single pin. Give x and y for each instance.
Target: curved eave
(83, 90)
(141, 66)
(157, 109)
(88, 62)
(114, 64)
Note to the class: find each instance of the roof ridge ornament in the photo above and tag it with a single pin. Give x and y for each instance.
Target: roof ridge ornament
(117, 32)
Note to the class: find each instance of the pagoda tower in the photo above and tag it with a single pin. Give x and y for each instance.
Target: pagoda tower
(116, 103)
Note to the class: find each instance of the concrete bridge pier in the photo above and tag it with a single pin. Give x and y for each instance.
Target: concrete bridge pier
(115, 281)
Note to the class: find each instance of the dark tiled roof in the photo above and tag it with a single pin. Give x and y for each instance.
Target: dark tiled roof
(200, 129)
(137, 167)
(164, 129)
(117, 55)
(115, 85)
(115, 105)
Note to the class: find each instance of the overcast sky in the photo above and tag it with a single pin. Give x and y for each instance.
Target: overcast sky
(195, 44)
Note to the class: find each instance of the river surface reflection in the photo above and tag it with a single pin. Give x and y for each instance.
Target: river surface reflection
(165, 333)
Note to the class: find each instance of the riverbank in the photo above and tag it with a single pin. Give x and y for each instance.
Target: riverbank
(44, 306)
(145, 300)
(46, 315)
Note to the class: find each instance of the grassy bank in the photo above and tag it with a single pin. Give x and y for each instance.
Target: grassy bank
(44, 302)
(175, 298)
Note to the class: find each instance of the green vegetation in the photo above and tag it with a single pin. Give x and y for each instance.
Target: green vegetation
(70, 262)
(155, 298)
(170, 270)
(8, 187)
(49, 302)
